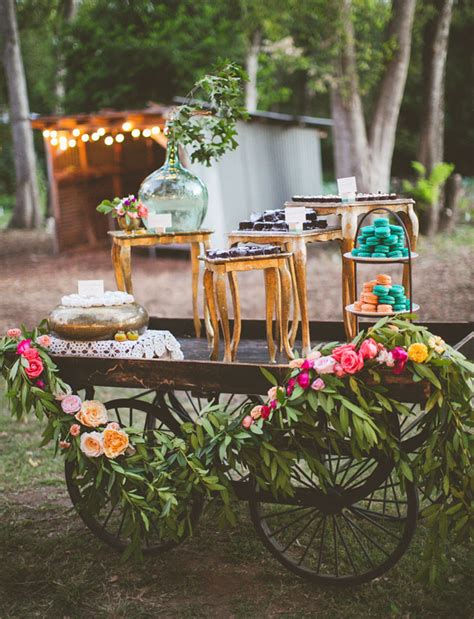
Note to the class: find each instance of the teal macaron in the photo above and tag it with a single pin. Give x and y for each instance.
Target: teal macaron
(382, 232)
(372, 240)
(391, 240)
(382, 249)
(381, 221)
(395, 254)
(378, 289)
(367, 230)
(397, 289)
(364, 254)
(399, 307)
(387, 300)
(396, 229)
(377, 254)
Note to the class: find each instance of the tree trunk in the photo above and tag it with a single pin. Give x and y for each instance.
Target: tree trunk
(453, 196)
(69, 11)
(431, 145)
(370, 157)
(26, 213)
(251, 65)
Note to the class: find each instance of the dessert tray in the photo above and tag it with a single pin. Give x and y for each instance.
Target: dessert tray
(350, 308)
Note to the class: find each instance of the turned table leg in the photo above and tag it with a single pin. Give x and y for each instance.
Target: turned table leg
(285, 294)
(207, 322)
(126, 262)
(234, 290)
(299, 257)
(117, 265)
(271, 283)
(221, 295)
(211, 305)
(349, 228)
(296, 305)
(195, 249)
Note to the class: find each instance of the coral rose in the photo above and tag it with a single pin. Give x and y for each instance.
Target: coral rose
(35, 368)
(75, 429)
(115, 442)
(324, 365)
(30, 353)
(22, 346)
(418, 352)
(92, 414)
(340, 350)
(247, 421)
(71, 404)
(14, 333)
(318, 384)
(142, 210)
(369, 349)
(400, 358)
(256, 412)
(351, 361)
(44, 341)
(92, 444)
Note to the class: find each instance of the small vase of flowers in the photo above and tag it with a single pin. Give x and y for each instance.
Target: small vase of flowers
(128, 211)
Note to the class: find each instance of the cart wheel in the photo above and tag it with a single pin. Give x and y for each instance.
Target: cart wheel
(107, 525)
(318, 539)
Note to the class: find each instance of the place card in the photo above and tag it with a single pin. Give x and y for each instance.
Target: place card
(159, 221)
(90, 287)
(295, 217)
(347, 188)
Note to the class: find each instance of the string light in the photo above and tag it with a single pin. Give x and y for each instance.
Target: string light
(136, 133)
(155, 130)
(46, 133)
(127, 126)
(76, 133)
(95, 136)
(63, 143)
(146, 133)
(54, 142)
(53, 134)
(85, 137)
(72, 142)
(109, 140)
(101, 131)
(119, 137)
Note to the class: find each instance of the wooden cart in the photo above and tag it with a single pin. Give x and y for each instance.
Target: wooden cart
(353, 533)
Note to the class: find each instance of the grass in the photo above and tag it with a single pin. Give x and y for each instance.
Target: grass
(52, 566)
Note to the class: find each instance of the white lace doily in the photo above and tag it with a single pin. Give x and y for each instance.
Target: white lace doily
(108, 299)
(160, 344)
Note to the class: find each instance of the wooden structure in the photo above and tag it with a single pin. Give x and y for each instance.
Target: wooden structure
(91, 157)
(277, 300)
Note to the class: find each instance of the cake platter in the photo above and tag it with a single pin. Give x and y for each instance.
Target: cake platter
(350, 308)
(366, 260)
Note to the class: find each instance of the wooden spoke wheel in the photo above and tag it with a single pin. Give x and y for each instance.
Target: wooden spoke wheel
(353, 533)
(108, 524)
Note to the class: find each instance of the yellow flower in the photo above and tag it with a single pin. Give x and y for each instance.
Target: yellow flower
(92, 414)
(418, 353)
(115, 442)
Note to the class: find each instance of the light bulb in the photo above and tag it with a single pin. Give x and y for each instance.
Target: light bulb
(95, 136)
(136, 133)
(127, 126)
(146, 133)
(53, 133)
(101, 131)
(85, 137)
(119, 137)
(109, 140)
(76, 133)
(155, 130)
(54, 142)
(46, 133)
(72, 143)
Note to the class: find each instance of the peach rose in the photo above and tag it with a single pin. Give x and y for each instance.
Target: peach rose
(113, 425)
(92, 414)
(256, 412)
(115, 442)
(44, 341)
(75, 429)
(14, 333)
(92, 444)
(296, 363)
(272, 393)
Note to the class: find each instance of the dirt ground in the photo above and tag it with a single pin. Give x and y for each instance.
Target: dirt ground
(32, 279)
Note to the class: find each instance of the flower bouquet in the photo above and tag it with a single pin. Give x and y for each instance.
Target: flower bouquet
(128, 211)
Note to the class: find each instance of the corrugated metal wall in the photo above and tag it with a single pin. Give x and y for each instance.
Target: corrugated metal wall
(272, 163)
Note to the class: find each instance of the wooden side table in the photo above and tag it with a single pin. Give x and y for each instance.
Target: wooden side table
(349, 212)
(277, 299)
(122, 243)
(294, 243)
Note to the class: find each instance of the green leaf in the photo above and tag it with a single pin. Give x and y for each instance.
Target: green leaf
(269, 376)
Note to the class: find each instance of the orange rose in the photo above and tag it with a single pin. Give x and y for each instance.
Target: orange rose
(92, 414)
(115, 442)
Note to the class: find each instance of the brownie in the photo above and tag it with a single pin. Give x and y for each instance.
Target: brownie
(246, 225)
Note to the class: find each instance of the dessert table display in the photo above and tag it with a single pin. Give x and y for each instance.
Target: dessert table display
(122, 243)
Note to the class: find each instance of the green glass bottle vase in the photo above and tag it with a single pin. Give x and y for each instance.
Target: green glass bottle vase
(175, 190)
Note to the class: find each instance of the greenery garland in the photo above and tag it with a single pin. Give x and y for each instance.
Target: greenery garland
(338, 395)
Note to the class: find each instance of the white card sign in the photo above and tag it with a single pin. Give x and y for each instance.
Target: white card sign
(295, 217)
(90, 287)
(159, 221)
(347, 188)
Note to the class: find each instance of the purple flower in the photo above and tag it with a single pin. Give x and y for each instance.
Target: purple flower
(71, 404)
(318, 384)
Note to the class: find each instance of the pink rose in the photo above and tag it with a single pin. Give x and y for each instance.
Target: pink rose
(247, 421)
(369, 349)
(23, 346)
(340, 350)
(338, 370)
(71, 404)
(313, 355)
(351, 361)
(273, 404)
(307, 364)
(75, 429)
(324, 365)
(40, 384)
(30, 353)
(400, 357)
(120, 210)
(64, 444)
(14, 333)
(133, 215)
(113, 425)
(266, 412)
(44, 341)
(35, 368)
(303, 380)
(142, 211)
(290, 386)
(318, 384)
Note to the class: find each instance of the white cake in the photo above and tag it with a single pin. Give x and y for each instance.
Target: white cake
(108, 299)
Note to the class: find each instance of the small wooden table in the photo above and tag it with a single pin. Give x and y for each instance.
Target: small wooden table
(349, 212)
(199, 240)
(295, 243)
(277, 299)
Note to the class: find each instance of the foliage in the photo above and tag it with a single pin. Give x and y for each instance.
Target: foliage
(426, 189)
(208, 126)
(129, 208)
(349, 408)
